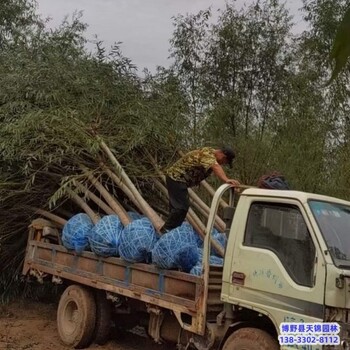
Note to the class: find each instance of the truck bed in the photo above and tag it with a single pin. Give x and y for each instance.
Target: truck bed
(180, 292)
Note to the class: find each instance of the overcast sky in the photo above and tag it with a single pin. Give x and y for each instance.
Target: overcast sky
(144, 26)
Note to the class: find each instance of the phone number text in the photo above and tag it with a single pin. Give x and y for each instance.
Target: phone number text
(309, 339)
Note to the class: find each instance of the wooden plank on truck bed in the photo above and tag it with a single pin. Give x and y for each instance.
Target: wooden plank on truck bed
(173, 290)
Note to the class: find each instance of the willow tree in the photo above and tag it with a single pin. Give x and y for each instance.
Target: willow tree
(188, 49)
(321, 45)
(240, 66)
(58, 103)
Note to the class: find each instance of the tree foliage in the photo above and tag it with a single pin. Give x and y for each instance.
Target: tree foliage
(341, 47)
(55, 98)
(262, 89)
(243, 79)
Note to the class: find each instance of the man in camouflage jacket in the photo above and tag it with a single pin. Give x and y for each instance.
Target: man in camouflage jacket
(189, 171)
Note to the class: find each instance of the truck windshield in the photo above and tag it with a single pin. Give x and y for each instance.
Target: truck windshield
(334, 223)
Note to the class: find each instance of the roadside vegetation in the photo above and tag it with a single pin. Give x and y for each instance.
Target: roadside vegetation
(243, 80)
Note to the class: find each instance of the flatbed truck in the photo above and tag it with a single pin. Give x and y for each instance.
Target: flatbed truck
(287, 260)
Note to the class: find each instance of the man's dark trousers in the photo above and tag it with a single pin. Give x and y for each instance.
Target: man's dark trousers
(178, 203)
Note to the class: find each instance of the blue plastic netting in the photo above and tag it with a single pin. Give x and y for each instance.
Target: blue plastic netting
(137, 240)
(196, 270)
(220, 238)
(188, 234)
(135, 216)
(189, 228)
(76, 232)
(213, 260)
(105, 236)
(177, 249)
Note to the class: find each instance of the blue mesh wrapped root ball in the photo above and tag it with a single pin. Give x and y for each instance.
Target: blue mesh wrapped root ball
(105, 236)
(76, 232)
(188, 234)
(135, 216)
(137, 240)
(213, 260)
(176, 249)
(220, 238)
(196, 269)
(191, 232)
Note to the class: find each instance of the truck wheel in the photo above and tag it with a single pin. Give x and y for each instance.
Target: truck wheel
(103, 318)
(76, 317)
(250, 339)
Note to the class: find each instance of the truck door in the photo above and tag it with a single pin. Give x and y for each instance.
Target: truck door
(276, 265)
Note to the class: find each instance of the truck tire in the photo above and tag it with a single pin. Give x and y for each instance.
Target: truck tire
(76, 316)
(250, 339)
(103, 318)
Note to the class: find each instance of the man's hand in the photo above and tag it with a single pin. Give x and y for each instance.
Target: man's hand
(233, 182)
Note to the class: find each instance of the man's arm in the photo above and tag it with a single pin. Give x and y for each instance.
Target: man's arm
(220, 173)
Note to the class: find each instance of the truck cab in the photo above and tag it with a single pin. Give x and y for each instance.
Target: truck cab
(288, 260)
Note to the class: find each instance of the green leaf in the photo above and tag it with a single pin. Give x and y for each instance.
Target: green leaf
(341, 46)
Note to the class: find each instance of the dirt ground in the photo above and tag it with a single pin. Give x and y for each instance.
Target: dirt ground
(32, 325)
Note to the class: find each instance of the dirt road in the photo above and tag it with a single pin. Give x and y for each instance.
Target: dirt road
(30, 325)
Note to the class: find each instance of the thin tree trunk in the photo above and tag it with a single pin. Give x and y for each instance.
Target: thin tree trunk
(63, 212)
(147, 209)
(122, 186)
(55, 218)
(83, 205)
(191, 218)
(112, 202)
(108, 210)
(219, 223)
(211, 191)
